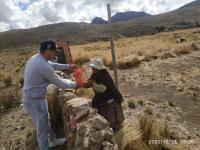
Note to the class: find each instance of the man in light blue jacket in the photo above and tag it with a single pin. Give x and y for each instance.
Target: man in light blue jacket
(39, 73)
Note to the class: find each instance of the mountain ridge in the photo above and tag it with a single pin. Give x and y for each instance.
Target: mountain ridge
(181, 18)
(121, 16)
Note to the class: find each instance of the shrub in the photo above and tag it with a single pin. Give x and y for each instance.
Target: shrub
(7, 80)
(131, 104)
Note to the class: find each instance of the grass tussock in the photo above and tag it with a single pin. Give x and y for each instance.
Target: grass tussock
(1, 75)
(141, 102)
(130, 137)
(171, 103)
(154, 130)
(195, 47)
(108, 62)
(81, 60)
(87, 93)
(7, 79)
(185, 48)
(182, 49)
(131, 104)
(9, 99)
(148, 110)
(21, 81)
(128, 63)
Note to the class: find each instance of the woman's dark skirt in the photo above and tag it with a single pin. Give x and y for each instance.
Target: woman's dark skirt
(113, 113)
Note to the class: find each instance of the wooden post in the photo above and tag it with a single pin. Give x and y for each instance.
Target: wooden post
(112, 45)
(67, 52)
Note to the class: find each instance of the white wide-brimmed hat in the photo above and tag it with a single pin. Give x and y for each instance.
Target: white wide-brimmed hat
(97, 63)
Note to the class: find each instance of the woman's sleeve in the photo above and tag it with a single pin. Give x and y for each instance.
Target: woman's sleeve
(100, 88)
(109, 83)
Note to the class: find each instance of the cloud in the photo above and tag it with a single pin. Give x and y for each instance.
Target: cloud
(31, 13)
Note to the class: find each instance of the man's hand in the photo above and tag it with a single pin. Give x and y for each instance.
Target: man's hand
(73, 67)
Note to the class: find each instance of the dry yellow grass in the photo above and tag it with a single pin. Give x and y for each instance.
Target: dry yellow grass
(130, 137)
(130, 52)
(150, 134)
(9, 98)
(87, 93)
(7, 79)
(1, 75)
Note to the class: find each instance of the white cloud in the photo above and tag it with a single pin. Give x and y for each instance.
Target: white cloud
(31, 13)
(4, 26)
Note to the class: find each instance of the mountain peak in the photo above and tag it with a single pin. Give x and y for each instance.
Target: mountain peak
(124, 16)
(121, 16)
(98, 20)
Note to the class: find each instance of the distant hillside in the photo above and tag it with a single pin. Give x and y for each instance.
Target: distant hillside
(184, 17)
(124, 16)
(74, 32)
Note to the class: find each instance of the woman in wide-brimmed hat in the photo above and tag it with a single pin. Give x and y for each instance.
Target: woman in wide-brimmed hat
(107, 99)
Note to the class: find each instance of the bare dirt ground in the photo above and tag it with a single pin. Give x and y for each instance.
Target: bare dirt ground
(173, 80)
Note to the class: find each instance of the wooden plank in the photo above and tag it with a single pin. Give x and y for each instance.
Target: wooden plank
(112, 45)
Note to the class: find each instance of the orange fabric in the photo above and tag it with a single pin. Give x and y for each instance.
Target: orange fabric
(80, 76)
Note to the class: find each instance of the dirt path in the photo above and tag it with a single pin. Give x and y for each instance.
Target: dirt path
(174, 79)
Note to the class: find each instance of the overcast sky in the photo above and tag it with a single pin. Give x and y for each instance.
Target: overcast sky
(20, 14)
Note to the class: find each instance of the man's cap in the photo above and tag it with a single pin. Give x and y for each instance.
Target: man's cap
(50, 44)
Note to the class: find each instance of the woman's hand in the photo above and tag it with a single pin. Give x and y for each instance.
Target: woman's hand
(88, 84)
